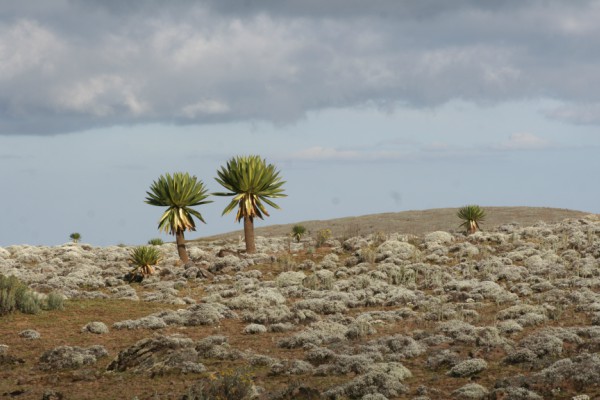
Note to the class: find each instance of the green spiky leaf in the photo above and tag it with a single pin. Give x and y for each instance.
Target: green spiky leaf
(471, 216)
(179, 192)
(250, 181)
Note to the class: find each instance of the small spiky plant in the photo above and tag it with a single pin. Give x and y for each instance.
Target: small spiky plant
(472, 215)
(75, 237)
(144, 258)
(298, 231)
(156, 242)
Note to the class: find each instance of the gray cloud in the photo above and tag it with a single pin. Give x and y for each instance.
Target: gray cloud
(76, 65)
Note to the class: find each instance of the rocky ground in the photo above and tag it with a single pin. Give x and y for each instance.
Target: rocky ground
(509, 313)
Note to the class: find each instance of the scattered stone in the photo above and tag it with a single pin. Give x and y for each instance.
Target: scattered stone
(159, 355)
(95, 327)
(30, 334)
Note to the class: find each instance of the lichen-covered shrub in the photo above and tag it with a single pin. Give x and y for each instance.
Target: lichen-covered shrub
(468, 367)
(254, 329)
(321, 332)
(382, 378)
(230, 384)
(67, 357)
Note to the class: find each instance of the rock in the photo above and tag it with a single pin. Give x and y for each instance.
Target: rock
(149, 322)
(29, 334)
(52, 395)
(67, 357)
(159, 355)
(95, 327)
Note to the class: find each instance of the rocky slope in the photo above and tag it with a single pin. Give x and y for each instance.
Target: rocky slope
(511, 313)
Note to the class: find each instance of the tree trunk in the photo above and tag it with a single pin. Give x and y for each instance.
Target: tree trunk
(180, 240)
(249, 235)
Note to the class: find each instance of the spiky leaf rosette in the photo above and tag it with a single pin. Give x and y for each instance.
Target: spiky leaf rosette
(298, 231)
(179, 193)
(143, 258)
(251, 181)
(472, 215)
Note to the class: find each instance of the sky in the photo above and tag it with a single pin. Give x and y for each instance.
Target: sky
(364, 107)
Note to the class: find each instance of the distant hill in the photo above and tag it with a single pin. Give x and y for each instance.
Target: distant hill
(414, 222)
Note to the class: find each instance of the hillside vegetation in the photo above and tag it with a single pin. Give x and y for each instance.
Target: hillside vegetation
(512, 312)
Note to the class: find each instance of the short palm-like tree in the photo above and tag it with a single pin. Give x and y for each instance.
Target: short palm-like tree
(179, 193)
(471, 216)
(251, 181)
(75, 237)
(298, 231)
(144, 258)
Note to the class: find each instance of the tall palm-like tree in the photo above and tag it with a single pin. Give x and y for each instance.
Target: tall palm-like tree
(179, 193)
(472, 215)
(251, 181)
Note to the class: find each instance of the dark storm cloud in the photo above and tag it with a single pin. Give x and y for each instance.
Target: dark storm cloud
(75, 65)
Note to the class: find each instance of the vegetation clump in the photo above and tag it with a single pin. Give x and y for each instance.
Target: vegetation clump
(156, 242)
(230, 384)
(144, 258)
(471, 216)
(75, 237)
(322, 236)
(16, 296)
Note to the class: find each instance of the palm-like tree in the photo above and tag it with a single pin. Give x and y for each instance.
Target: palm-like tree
(251, 181)
(298, 231)
(179, 193)
(472, 215)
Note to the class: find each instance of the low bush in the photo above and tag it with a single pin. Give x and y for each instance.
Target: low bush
(156, 242)
(322, 236)
(231, 385)
(16, 296)
(54, 301)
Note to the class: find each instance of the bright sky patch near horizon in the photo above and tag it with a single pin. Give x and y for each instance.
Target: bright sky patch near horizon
(365, 107)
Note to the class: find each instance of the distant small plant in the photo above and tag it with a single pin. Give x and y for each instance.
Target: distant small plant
(144, 258)
(298, 231)
(230, 384)
(156, 242)
(322, 236)
(471, 216)
(75, 237)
